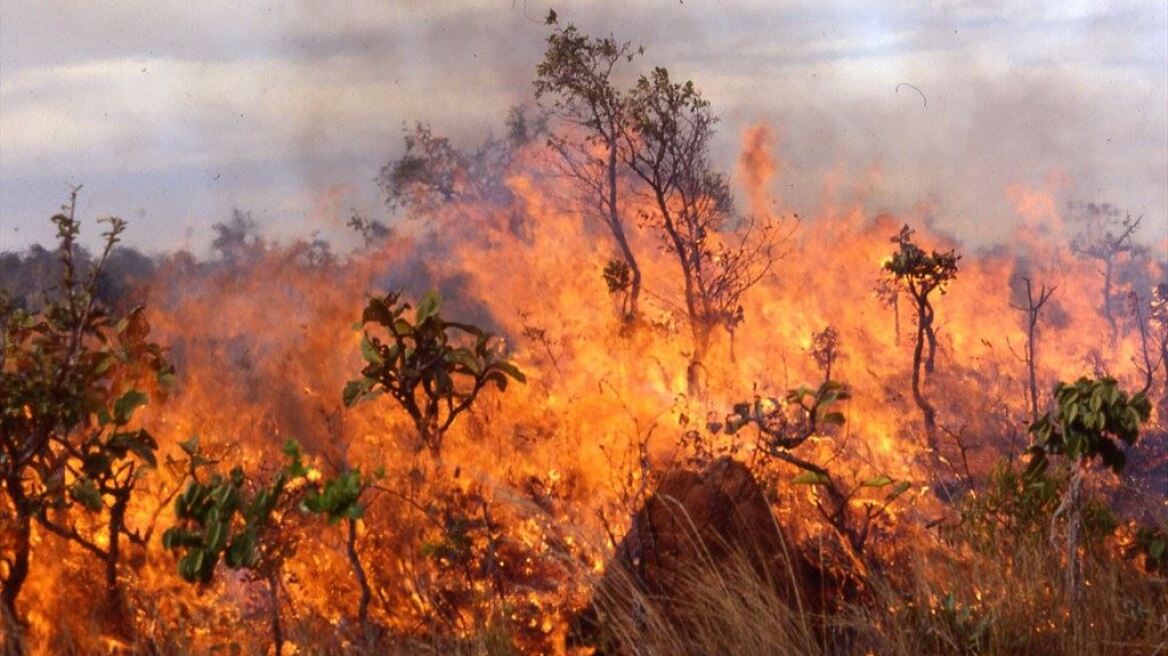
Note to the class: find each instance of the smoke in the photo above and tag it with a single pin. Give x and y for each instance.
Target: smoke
(172, 118)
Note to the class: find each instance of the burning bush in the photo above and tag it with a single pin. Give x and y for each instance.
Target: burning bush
(478, 515)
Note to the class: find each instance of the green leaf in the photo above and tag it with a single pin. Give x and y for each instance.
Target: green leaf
(878, 481)
(126, 404)
(191, 446)
(510, 369)
(900, 489)
(465, 358)
(428, 307)
(140, 442)
(355, 391)
(811, 478)
(86, 493)
(104, 364)
(369, 352)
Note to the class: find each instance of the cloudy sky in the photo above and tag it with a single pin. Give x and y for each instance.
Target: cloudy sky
(173, 114)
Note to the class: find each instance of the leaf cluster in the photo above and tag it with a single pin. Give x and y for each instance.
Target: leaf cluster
(1090, 419)
(229, 518)
(433, 368)
(919, 270)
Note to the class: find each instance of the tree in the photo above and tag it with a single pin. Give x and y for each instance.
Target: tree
(920, 274)
(372, 231)
(1105, 238)
(1033, 311)
(784, 425)
(432, 172)
(574, 84)
(433, 368)
(68, 395)
(825, 350)
(237, 241)
(238, 520)
(667, 146)
(1090, 420)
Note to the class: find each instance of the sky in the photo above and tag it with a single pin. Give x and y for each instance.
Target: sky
(173, 114)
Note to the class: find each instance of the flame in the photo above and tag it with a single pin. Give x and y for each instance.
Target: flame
(265, 348)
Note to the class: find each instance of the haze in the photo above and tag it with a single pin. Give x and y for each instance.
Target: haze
(172, 115)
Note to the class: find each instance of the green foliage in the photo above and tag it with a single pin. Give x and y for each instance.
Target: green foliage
(920, 271)
(1152, 545)
(70, 387)
(785, 425)
(340, 498)
(229, 518)
(788, 423)
(617, 276)
(433, 368)
(1016, 507)
(1090, 416)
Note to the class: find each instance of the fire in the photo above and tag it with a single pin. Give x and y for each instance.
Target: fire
(265, 348)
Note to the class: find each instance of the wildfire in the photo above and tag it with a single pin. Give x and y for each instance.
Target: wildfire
(544, 471)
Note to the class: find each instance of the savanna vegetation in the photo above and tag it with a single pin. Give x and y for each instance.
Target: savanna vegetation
(506, 422)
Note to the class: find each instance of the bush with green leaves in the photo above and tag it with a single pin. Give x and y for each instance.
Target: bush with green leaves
(784, 425)
(1015, 507)
(340, 499)
(433, 368)
(237, 520)
(70, 458)
(1090, 420)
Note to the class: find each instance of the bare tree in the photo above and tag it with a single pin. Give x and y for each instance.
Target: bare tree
(1106, 237)
(667, 146)
(1033, 310)
(574, 84)
(237, 241)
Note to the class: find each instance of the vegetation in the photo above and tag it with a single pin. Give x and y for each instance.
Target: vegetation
(574, 82)
(423, 369)
(921, 273)
(68, 449)
(472, 515)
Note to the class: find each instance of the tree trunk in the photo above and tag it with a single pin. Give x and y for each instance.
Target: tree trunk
(12, 643)
(22, 546)
(926, 320)
(116, 611)
(1031, 366)
(1107, 276)
(359, 572)
(1071, 509)
(274, 600)
(928, 413)
(618, 233)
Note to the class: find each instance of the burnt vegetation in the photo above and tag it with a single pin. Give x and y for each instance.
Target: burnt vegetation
(662, 433)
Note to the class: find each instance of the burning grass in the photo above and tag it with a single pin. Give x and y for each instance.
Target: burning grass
(468, 494)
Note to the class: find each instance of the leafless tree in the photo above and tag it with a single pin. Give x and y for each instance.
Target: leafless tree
(1105, 238)
(667, 148)
(574, 84)
(1033, 311)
